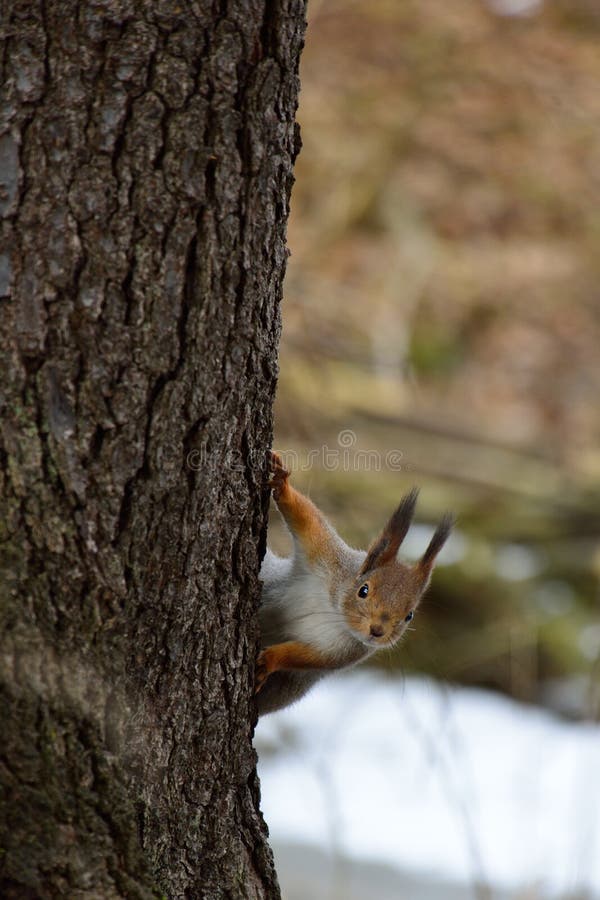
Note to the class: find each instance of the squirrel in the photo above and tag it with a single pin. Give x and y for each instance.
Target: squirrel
(329, 606)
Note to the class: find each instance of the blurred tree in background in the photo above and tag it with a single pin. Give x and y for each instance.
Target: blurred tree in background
(442, 305)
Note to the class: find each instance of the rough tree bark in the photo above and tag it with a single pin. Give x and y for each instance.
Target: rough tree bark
(146, 153)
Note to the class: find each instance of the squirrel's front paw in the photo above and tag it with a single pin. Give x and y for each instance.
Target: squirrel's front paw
(262, 670)
(279, 474)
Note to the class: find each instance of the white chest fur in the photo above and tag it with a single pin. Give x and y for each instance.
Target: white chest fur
(297, 605)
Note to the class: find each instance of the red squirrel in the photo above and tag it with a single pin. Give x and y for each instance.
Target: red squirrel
(329, 606)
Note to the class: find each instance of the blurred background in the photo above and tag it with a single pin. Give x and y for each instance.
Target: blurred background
(442, 328)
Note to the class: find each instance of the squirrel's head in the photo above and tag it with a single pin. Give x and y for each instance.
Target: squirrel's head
(385, 593)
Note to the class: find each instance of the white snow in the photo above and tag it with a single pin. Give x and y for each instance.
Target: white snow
(515, 7)
(452, 782)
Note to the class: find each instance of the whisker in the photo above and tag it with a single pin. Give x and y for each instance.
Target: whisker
(330, 615)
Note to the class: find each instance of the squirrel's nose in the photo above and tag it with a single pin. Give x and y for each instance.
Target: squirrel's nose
(376, 630)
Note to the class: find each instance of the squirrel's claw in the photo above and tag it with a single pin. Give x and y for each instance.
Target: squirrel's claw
(261, 672)
(279, 474)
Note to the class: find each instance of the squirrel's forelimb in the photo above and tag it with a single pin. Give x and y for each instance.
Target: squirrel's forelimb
(308, 526)
(290, 656)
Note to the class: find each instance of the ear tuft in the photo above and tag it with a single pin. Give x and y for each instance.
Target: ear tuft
(385, 547)
(403, 515)
(440, 536)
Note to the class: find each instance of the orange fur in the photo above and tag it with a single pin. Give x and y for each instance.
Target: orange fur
(302, 517)
(295, 655)
(289, 656)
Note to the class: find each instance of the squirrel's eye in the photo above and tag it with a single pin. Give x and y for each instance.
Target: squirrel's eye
(363, 591)
(408, 618)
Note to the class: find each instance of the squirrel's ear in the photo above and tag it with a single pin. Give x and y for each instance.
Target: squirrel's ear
(384, 549)
(440, 536)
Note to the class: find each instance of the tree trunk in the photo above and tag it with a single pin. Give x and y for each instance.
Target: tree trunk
(146, 153)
